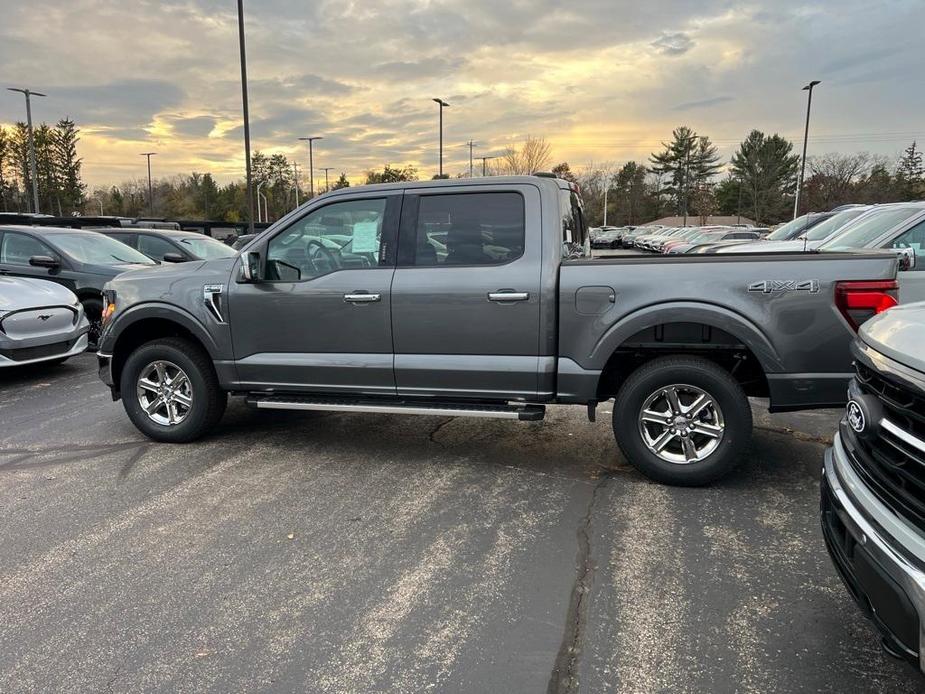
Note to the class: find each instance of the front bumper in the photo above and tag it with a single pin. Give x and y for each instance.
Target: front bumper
(58, 350)
(882, 570)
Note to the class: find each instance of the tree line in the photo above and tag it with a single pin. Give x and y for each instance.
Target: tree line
(57, 166)
(685, 177)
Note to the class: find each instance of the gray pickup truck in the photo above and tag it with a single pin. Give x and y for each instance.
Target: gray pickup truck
(479, 298)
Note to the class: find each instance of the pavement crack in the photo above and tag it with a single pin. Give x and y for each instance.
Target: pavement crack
(436, 429)
(799, 435)
(564, 676)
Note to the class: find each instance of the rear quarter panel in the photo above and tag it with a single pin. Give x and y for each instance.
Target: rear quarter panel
(792, 332)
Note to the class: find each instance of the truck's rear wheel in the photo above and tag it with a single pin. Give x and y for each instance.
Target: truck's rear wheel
(170, 391)
(682, 420)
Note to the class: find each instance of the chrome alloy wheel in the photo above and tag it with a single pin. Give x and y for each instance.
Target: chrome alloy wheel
(681, 424)
(164, 393)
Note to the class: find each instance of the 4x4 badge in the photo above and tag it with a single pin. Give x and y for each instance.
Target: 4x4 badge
(771, 286)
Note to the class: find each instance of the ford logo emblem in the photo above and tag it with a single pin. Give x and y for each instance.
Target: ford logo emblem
(856, 418)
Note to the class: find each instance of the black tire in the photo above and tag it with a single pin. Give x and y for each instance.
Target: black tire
(208, 399)
(93, 308)
(701, 374)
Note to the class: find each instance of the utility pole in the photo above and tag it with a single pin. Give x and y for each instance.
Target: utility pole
(295, 170)
(247, 124)
(484, 159)
(327, 186)
(443, 105)
(32, 171)
(150, 189)
(739, 204)
(311, 164)
(809, 104)
(471, 145)
(606, 189)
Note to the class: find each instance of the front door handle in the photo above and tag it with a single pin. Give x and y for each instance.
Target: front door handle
(362, 298)
(508, 295)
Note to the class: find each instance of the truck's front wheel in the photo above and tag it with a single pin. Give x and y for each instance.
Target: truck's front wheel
(170, 391)
(682, 420)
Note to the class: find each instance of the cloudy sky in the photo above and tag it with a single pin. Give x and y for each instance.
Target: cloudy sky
(601, 80)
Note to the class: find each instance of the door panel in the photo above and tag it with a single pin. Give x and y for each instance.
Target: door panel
(466, 294)
(326, 326)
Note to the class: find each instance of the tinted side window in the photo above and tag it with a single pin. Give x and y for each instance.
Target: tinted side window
(913, 238)
(154, 247)
(339, 236)
(16, 249)
(469, 229)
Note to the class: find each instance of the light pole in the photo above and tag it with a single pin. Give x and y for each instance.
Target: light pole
(326, 169)
(32, 172)
(150, 189)
(259, 217)
(809, 104)
(484, 159)
(443, 105)
(471, 145)
(606, 190)
(311, 165)
(247, 123)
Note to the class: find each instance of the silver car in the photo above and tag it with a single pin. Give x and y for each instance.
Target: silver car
(39, 321)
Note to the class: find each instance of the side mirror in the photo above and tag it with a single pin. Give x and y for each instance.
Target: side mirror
(44, 261)
(174, 258)
(250, 266)
(906, 258)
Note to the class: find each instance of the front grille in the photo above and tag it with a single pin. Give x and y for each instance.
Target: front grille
(892, 467)
(28, 353)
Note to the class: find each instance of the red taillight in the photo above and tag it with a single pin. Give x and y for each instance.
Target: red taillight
(860, 300)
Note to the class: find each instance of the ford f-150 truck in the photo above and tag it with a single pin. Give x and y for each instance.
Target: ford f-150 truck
(480, 298)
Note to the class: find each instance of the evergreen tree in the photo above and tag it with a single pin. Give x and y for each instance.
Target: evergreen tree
(341, 182)
(67, 165)
(909, 173)
(767, 169)
(685, 163)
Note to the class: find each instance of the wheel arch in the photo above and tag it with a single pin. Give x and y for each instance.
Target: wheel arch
(683, 328)
(149, 322)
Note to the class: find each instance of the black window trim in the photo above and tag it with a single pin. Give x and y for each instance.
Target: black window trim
(390, 220)
(407, 232)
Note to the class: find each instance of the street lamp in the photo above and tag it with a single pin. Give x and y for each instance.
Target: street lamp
(484, 159)
(150, 189)
(247, 123)
(326, 169)
(471, 145)
(443, 105)
(35, 183)
(311, 166)
(809, 103)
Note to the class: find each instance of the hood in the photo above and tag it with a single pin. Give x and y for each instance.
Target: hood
(113, 270)
(794, 246)
(160, 271)
(899, 333)
(24, 292)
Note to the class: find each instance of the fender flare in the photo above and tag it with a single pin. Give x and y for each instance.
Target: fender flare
(162, 311)
(715, 316)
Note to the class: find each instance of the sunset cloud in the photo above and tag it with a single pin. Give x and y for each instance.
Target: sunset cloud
(602, 80)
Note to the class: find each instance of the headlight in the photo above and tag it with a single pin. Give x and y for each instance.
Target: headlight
(109, 305)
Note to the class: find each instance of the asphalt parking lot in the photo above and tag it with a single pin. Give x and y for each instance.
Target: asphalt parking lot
(352, 553)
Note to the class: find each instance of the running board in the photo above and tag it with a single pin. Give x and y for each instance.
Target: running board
(293, 402)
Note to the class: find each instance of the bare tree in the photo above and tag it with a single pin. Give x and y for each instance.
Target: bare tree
(533, 156)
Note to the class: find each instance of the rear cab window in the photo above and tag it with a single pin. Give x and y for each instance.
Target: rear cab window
(469, 229)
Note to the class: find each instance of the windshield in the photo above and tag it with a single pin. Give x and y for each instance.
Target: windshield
(870, 228)
(825, 229)
(96, 249)
(207, 248)
(790, 229)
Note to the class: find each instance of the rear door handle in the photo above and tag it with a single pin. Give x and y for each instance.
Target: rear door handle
(362, 298)
(508, 295)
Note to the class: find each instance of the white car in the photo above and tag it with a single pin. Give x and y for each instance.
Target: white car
(40, 321)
